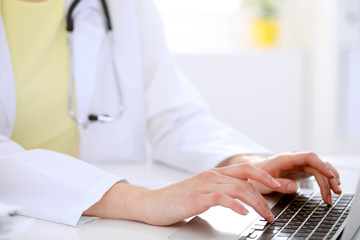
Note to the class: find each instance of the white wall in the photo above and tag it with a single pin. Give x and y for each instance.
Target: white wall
(258, 93)
(330, 50)
(290, 97)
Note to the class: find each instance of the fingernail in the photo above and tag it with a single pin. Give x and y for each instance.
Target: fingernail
(269, 214)
(275, 183)
(330, 172)
(291, 187)
(338, 188)
(271, 218)
(244, 211)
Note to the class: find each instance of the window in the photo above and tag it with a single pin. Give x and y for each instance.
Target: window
(198, 6)
(196, 25)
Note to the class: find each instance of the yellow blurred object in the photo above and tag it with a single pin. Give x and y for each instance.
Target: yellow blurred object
(266, 32)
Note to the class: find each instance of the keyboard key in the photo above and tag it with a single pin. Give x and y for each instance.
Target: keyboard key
(319, 234)
(271, 231)
(315, 219)
(283, 235)
(288, 230)
(287, 215)
(322, 230)
(328, 217)
(324, 226)
(300, 234)
(294, 223)
(275, 228)
(315, 214)
(255, 234)
(282, 220)
(347, 196)
(306, 223)
(265, 236)
(259, 227)
(307, 231)
(292, 226)
(318, 198)
(334, 210)
(279, 224)
(339, 207)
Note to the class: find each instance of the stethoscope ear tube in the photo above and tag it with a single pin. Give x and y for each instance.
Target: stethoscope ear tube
(107, 15)
(70, 20)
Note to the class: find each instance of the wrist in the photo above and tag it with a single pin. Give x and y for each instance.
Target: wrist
(121, 201)
(241, 158)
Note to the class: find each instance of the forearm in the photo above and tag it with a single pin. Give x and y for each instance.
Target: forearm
(125, 201)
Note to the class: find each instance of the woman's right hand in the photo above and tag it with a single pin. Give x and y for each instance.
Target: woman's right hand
(192, 196)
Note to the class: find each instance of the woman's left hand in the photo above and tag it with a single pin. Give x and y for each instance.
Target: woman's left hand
(306, 162)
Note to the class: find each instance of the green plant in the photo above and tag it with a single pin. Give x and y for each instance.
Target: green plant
(265, 8)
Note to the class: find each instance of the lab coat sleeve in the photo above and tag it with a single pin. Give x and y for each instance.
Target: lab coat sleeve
(183, 132)
(49, 185)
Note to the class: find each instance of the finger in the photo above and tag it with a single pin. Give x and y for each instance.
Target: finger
(334, 184)
(314, 161)
(221, 199)
(337, 175)
(248, 194)
(323, 184)
(249, 171)
(235, 188)
(288, 186)
(302, 159)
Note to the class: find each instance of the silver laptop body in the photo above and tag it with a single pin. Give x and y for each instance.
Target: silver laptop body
(220, 223)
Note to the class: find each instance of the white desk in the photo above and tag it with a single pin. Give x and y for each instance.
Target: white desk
(123, 229)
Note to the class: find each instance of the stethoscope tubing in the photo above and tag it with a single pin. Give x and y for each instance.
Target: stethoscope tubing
(105, 118)
(70, 20)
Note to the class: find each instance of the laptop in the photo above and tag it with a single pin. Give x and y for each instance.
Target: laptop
(303, 215)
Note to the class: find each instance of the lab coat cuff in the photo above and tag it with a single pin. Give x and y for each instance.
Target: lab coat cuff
(94, 195)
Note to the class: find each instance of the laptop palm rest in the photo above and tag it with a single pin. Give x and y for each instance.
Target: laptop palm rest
(199, 228)
(219, 223)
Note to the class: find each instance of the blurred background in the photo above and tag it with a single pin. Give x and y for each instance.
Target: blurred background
(284, 72)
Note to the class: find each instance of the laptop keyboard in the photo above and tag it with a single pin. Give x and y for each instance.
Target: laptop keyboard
(302, 216)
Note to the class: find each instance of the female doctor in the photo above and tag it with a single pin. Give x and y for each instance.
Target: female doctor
(94, 80)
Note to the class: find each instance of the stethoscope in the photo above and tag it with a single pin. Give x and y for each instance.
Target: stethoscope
(92, 117)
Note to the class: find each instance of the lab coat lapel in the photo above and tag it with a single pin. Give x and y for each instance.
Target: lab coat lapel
(87, 41)
(7, 85)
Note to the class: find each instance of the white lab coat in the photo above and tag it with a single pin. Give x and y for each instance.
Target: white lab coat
(162, 107)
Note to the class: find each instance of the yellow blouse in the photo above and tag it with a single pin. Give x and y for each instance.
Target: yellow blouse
(40, 56)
